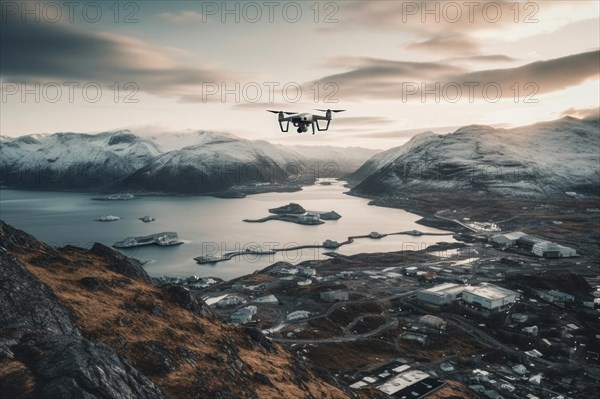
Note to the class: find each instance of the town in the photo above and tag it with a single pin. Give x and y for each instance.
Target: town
(495, 314)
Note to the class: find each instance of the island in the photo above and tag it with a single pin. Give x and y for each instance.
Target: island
(295, 213)
(108, 218)
(147, 219)
(292, 208)
(115, 197)
(165, 239)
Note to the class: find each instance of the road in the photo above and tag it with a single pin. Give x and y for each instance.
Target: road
(344, 338)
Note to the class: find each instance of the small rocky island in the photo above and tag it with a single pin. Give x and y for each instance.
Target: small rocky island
(295, 213)
(147, 219)
(108, 218)
(165, 239)
(115, 197)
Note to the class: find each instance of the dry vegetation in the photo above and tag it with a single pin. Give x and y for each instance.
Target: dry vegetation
(189, 355)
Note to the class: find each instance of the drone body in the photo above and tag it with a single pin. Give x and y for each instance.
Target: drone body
(303, 120)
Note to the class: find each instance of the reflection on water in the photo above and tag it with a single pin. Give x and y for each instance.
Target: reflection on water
(211, 225)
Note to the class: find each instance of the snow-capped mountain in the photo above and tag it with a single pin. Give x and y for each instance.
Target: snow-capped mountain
(216, 163)
(187, 162)
(544, 159)
(72, 160)
(328, 161)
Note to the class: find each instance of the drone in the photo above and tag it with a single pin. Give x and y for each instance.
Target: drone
(303, 120)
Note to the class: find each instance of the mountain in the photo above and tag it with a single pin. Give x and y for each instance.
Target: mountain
(188, 162)
(217, 162)
(328, 161)
(79, 323)
(73, 160)
(540, 160)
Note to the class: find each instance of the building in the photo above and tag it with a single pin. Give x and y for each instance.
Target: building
(413, 336)
(527, 242)
(229, 301)
(307, 271)
(310, 217)
(519, 317)
(243, 315)
(442, 294)
(506, 240)
(544, 248)
(334, 296)
(412, 383)
(432, 322)
(555, 296)
(549, 249)
(489, 297)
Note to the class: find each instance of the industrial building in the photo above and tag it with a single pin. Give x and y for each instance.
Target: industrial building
(433, 323)
(442, 294)
(489, 297)
(244, 315)
(544, 248)
(334, 296)
(558, 297)
(506, 240)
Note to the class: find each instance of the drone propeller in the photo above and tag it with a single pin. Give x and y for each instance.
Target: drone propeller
(332, 110)
(287, 113)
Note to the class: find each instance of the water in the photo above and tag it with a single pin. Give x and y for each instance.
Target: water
(211, 225)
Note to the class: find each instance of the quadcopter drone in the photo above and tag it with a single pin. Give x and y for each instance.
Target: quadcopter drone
(304, 120)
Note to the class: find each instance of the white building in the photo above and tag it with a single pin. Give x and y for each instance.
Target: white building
(557, 296)
(433, 322)
(244, 315)
(488, 296)
(402, 381)
(442, 294)
(310, 217)
(507, 240)
(334, 296)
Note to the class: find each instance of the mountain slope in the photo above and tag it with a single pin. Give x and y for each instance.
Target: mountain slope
(217, 162)
(75, 326)
(540, 160)
(189, 162)
(73, 160)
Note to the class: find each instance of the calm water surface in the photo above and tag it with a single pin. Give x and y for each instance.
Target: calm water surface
(211, 225)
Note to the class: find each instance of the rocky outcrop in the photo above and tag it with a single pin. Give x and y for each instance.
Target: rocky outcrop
(292, 208)
(120, 263)
(79, 323)
(40, 334)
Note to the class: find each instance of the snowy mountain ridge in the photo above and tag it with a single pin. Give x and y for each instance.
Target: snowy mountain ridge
(543, 159)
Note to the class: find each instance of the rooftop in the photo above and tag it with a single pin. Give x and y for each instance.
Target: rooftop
(489, 291)
(443, 287)
(402, 381)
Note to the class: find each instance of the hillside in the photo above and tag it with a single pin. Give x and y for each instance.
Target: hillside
(89, 323)
(195, 162)
(538, 161)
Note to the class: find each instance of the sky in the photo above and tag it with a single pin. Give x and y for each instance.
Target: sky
(397, 67)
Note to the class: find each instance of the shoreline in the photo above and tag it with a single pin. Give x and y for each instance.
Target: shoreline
(230, 255)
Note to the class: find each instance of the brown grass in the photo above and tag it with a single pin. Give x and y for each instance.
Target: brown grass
(121, 316)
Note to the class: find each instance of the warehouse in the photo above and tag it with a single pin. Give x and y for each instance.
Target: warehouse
(506, 240)
(489, 297)
(544, 248)
(549, 249)
(334, 296)
(442, 294)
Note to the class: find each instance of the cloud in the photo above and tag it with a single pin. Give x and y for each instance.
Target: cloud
(484, 58)
(361, 121)
(449, 44)
(582, 113)
(379, 79)
(445, 17)
(182, 17)
(49, 51)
